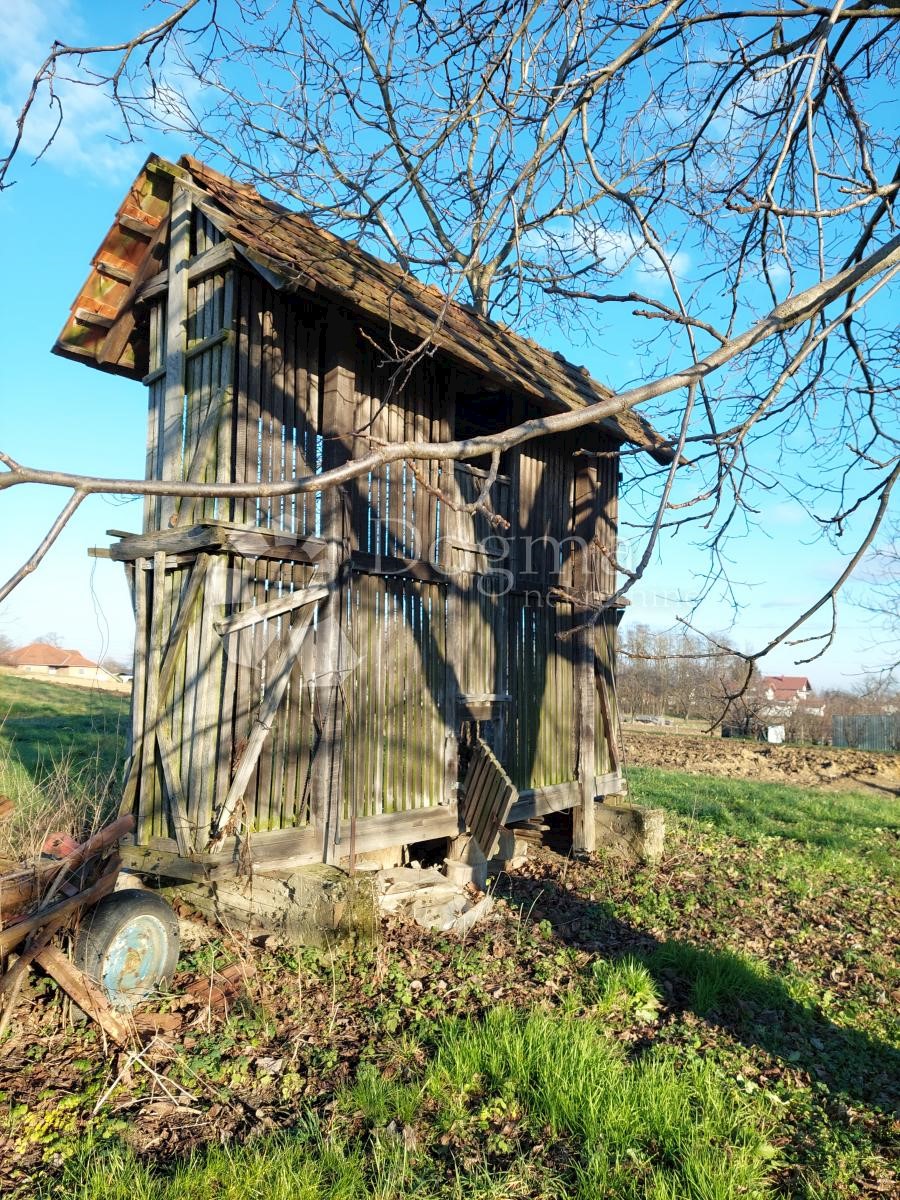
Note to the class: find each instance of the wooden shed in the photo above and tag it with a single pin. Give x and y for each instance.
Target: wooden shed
(322, 674)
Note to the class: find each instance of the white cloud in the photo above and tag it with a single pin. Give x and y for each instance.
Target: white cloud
(85, 140)
(619, 249)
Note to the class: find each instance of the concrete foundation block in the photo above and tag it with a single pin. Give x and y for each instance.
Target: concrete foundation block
(509, 851)
(379, 860)
(313, 906)
(466, 863)
(636, 834)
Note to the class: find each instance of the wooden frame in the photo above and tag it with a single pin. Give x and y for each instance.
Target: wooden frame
(310, 670)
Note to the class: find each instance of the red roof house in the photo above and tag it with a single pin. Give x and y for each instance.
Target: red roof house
(71, 666)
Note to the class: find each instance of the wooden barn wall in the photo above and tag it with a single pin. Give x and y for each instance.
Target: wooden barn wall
(277, 386)
(398, 693)
(604, 573)
(250, 410)
(465, 619)
(394, 727)
(542, 736)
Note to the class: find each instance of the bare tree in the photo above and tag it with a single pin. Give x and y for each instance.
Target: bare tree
(738, 166)
(50, 638)
(882, 601)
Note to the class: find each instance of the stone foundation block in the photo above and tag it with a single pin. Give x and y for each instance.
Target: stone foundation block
(466, 863)
(636, 834)
(313, 906)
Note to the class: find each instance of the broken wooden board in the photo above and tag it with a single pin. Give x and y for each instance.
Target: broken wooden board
(489, 796)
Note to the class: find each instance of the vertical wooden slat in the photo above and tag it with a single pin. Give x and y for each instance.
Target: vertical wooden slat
(148, 786)
(338, 402)
(176, 333)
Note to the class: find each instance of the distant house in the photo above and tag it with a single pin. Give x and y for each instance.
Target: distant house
(784, 702)
(782, 694)
(40, 659)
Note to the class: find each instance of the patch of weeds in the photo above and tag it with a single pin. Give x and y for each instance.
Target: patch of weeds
(716, 979)
(656, 1126)
(624, 988)
(381, 1100)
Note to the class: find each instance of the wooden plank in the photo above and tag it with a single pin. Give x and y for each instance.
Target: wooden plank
(207, 716)
(87, 316)
(208, 262)
(391, 565)
(583, 832)
(271, 608)
(151, 698)
(146, 228)
(218, 535)
(181, 625)
(204, 449)
(176, 343)
(261, 725)
(114, 270)
(188, 539)
(138, 690)
(87, 994)
(537, 802)
(612, 741)
(489, 796)
(338, 409)
(282, 850)
(175, 793)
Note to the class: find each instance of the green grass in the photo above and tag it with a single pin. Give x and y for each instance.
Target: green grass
(664, 1126)
(719, 1026)
(61, 750)
(864, 826)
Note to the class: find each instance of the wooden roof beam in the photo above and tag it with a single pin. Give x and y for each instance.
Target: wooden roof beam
(134, 225)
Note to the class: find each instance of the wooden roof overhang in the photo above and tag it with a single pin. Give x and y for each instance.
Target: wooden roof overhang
(297, 256)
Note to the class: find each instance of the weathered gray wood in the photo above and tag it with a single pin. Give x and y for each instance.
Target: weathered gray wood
(217, 257)
(262, 723)
(612, 741)
(400, 568)
(338, 410)
(174, 793)
(489, 794)
(176, 339)
(210, 342)
(155, 636)
(537, 802)
(281, 850)
(204, 448)
(218, 535)
(181, 625)
(271, 608)
(138, 688)
(207, 714)
(583, 831)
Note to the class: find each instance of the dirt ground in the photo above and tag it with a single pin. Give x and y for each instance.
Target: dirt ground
(804, 766)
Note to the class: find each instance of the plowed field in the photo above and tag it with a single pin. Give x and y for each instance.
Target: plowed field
(732, 758)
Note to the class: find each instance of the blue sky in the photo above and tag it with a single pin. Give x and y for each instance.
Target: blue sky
(55, 413)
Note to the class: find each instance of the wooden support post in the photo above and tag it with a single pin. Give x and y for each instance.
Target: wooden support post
(171, 461)
(202, 779)
(583, 833)
(138, 686)
(585, 505)
(338, 413)
(152, 652)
